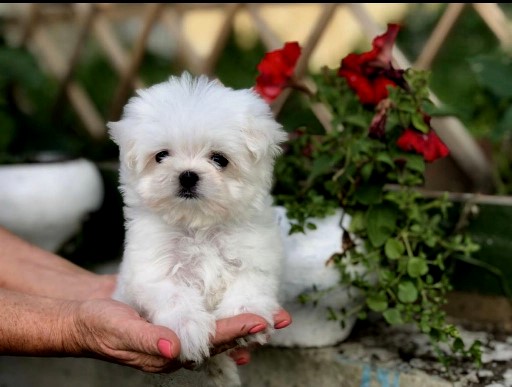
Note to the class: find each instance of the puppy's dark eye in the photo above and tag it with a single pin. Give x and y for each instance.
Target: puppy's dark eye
(161, 155)
(219, 159)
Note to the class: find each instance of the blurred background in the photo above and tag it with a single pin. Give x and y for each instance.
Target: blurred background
(67, 69)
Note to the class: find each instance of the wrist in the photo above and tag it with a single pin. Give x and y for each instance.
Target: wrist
(71, 328)
(36, 326)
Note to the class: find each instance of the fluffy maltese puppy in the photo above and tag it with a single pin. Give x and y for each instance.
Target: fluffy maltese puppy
(202, 241)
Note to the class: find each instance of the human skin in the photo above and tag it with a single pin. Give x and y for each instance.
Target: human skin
(52, 307)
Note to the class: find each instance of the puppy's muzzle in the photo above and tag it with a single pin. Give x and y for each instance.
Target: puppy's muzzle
(188, 182)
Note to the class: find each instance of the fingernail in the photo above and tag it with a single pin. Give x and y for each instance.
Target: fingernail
(242, 361)
(282, 324)
(257, 328)
(165, 347)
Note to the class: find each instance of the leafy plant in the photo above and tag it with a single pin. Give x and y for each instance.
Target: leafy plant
(471, 74)
(369, 160)
(493, 112)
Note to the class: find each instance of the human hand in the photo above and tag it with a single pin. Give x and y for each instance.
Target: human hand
(92, 286)
(112, 331)
(226, 338)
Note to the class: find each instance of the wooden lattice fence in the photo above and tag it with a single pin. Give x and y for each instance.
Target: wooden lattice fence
(28, 24)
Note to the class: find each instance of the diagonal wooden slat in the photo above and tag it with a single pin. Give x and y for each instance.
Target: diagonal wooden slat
(29, 22)
(114, 51)
(312, 40)
(42, 44)
(497, 21)
(268, 37)
(85, 17)
(438, 36)
(215, 53)
(186, 55)
(79, 99)
(124, 88)
(302, 65)
(33, 22)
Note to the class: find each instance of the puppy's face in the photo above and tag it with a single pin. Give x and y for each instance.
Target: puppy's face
(195, 152)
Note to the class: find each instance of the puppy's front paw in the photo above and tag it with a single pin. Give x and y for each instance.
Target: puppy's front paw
(264, 307)
(255, 338)
(194, 328)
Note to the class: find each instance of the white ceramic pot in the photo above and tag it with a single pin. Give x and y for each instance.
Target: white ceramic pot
(306, 269)
(46, 203)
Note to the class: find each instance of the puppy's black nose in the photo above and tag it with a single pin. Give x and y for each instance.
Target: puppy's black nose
(188, 179)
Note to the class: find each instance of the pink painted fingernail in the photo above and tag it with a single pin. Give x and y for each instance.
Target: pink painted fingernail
(165, 348)
(257, 328)
(282, 324)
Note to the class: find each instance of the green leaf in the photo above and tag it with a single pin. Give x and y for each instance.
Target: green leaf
(419, 123)
(386, 276)
(357, 223)
(385, 158)
(321, 165)
(394, 248)
(458, 345)
(417, 267)
(393, 316)
(415, 163)
(357, 120)
(504, 125)
(407, 292)
(381, 223)
(366, 171)
(311, 226)
(494, 73)
(369, 194)
(377, 302)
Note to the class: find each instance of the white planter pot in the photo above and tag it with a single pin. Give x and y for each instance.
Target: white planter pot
(305, 269)
(46, 203)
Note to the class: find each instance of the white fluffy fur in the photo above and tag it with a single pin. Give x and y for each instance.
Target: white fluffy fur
(190, 261)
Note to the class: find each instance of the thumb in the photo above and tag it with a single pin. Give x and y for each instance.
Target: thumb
(150, 339)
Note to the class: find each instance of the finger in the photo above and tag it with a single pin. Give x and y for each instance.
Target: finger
(240, 355)
(282, 319)
(148, 363)
(232, 328)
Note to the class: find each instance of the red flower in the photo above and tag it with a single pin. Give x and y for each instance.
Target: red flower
(276, 68)
(427, 144)
(370, 73)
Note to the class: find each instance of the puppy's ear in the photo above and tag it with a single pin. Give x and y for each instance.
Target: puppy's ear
(264, 137)
(127, 153)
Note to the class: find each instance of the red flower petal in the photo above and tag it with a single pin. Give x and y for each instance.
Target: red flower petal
(276, 68)
(383, 44)
(429, 145)
(361, 85)
(380, 86)
(366, 73)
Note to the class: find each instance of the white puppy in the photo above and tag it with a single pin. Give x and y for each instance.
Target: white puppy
(202, 242)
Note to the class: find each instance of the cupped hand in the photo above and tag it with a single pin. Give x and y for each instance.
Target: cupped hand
(227, 333)
(112, 331)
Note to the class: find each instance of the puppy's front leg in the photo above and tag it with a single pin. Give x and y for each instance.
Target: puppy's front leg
(179, 308)
(252, 292)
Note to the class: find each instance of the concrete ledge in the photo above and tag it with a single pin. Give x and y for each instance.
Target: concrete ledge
(375, 355)
(270, 367)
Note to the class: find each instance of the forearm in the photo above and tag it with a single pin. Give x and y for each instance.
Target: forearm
(35, 326)
(29, 269)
